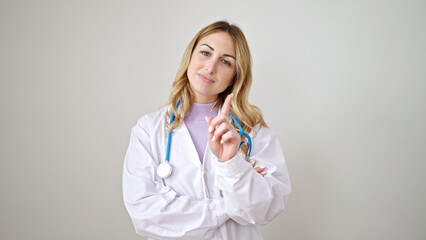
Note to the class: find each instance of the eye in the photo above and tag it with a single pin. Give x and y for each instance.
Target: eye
(226, 62)
(205, 53)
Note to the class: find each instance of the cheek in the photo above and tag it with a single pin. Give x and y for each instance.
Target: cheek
(192, 68)
(228, 75)
(195, 61)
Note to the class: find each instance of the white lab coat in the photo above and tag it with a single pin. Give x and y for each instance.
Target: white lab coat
(209, 200)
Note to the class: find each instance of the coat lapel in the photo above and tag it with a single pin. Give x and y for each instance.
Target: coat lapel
(184, 145)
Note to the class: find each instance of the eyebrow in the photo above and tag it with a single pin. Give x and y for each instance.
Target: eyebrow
(226, 55)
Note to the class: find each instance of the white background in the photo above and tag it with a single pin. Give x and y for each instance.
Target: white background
(342, 83)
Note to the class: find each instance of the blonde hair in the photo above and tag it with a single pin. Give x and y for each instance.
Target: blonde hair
(248, 115)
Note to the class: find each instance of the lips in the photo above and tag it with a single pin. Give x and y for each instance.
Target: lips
(205, 78)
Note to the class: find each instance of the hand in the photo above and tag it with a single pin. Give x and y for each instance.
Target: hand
(260, 170)
(223, 139)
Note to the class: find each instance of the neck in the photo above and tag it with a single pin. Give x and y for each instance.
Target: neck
(199, 111)
(205, 99)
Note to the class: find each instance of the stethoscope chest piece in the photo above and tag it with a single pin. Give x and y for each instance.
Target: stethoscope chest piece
(164, 170)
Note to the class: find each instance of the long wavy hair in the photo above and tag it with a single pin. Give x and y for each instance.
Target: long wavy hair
(248, 115)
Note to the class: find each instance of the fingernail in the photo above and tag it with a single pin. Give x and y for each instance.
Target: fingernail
(262, 167)
(210, 129)
(221, 141)
(253, 163)
(207, 120)
(213, 138)
(263, 173)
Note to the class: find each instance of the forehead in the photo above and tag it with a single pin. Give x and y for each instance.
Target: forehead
(220, 41)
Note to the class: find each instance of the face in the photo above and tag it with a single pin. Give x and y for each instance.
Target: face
(212, 66)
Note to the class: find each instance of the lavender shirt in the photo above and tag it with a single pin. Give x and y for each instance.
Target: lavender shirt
(195, 121)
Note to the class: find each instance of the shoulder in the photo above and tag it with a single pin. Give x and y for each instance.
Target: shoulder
(265, 141)
(261, 131)
(152, 120)
(263, 135)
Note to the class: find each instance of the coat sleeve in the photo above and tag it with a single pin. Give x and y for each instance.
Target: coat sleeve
(249, 197)
(155, 209)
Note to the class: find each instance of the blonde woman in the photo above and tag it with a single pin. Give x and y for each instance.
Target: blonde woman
(206, 166)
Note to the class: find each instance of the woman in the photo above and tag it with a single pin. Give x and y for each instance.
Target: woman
(214, 190)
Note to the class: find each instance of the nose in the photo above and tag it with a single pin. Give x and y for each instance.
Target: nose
(211, 66)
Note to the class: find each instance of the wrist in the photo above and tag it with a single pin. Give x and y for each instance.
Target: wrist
(227, 157)
(234, 167)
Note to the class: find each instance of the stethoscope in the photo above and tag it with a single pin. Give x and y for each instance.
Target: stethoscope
(164, 170)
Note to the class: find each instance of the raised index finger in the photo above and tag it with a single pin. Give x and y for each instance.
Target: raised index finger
(226, 105)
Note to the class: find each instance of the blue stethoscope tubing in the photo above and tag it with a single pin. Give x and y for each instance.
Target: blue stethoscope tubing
(242, 133)
(169, 138)
(164, 170)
